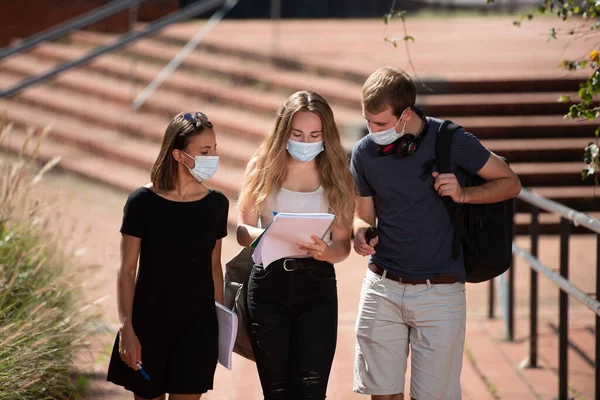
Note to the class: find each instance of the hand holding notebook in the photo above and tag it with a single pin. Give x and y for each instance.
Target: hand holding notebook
(281, 238)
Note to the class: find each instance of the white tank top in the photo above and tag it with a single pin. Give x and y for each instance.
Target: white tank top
(294, 202)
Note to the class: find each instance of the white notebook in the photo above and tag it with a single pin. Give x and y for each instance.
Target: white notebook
(282, 236)
(228, 327)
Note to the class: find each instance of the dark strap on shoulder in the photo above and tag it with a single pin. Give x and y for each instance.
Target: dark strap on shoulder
(443, 150)
(443, 145)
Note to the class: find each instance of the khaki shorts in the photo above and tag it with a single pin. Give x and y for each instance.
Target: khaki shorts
(393, 317)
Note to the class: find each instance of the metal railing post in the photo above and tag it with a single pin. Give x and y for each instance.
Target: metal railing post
(534, 230)
(510, 321)
(563, 313)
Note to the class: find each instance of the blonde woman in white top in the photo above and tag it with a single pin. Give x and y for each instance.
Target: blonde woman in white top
(300, 167)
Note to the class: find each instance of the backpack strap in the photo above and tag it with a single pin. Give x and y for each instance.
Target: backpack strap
(443, 147)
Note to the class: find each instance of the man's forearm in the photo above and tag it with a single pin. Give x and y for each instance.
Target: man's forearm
(493, 191)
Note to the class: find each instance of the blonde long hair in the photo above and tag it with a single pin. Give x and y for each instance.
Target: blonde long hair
(270, 167)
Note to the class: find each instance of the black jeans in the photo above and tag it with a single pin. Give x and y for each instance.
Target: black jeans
(293, 315)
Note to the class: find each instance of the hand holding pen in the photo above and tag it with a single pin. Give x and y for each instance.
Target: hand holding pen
(142, 372)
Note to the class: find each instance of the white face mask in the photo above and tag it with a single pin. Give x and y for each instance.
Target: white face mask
(388, 136)
(205, 167)
(304, 152)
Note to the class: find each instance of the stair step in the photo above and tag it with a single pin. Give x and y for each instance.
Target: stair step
(235, 69)
(81, 162)
(490, 104)
(538, 150)
(551, 174)
(108, 144)
(483, 127)
(513, 127)
(115, 174)
(335, 90)
(234, 120)
(343, 49)
(120, 87)
(118, 117)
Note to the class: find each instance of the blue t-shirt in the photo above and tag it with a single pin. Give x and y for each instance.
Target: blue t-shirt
(415, 231)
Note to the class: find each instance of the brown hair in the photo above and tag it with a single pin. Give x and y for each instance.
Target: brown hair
(177, 136)
(270, 168)
(388, 86)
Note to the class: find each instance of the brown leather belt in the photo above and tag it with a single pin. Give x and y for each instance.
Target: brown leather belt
(436, 280)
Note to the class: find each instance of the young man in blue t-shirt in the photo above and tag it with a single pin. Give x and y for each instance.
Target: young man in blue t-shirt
(413, 294)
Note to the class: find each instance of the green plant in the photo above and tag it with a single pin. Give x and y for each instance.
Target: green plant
(588, 14)
(41, 326)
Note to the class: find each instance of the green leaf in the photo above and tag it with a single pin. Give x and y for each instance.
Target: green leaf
(586, 173)
(489, 1)
(407, 38)
(563, 99)
(597, 132)
(589, 114)
(517, 23)
(386, 18)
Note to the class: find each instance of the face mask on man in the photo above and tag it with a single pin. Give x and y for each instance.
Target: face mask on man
(388, 136)
(205, 167)
(304, 152)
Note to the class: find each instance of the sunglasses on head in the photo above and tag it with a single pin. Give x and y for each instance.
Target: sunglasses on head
(197, 119)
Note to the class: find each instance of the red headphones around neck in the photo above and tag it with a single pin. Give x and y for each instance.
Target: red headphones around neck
(407, 144)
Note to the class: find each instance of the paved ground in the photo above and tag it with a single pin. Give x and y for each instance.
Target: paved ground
(91, 216)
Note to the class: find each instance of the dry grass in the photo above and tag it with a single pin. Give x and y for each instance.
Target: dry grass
(42, 324)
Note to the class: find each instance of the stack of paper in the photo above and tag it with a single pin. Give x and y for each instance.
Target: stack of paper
(282, 236)
(228, 327)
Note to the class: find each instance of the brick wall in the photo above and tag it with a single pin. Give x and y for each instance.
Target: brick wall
(22, 18)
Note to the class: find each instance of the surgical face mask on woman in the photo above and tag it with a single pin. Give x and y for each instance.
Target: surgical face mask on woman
(388, 136)
(304, 152)
(205, 167)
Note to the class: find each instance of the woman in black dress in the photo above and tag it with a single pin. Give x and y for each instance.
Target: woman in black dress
(168, 324)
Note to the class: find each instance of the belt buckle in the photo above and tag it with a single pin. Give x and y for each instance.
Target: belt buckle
(285, 268)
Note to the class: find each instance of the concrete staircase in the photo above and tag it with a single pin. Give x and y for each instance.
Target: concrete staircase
(101, 138)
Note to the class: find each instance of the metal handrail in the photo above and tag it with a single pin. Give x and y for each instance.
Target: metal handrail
(561, 282)
(561, 279)
(578, 218)
(187, 12)
(182, 54)
(62, 29)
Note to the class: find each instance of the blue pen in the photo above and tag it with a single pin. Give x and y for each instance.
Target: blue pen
(274, 213)
(144, 374)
